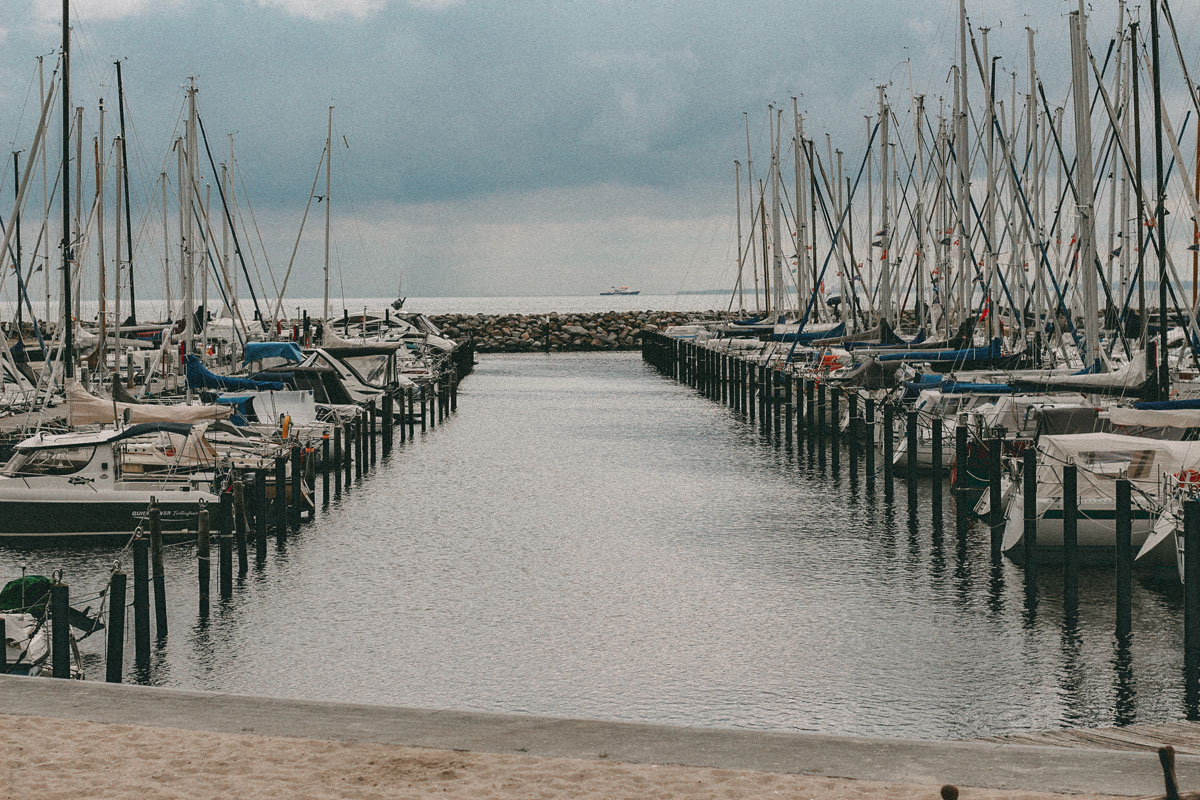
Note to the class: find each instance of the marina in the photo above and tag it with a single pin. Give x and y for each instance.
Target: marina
(882, 479)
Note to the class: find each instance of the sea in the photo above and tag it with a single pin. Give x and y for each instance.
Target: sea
(587, 538)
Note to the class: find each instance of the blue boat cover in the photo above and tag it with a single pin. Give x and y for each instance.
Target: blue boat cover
(967, 387)
(1168, 405)
(810, 336)
(242, 407)
(256, 351)
(198, 377)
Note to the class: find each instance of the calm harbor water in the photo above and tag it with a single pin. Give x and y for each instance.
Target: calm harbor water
(586, 538)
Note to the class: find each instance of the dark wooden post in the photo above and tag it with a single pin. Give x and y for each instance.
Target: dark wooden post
(787, 415)
(239, 525)
(822, 425)
(260, 515)
(936, 458)
(387, 422)
(889, 450)
(325, 471)
(835, 412)
(203, 563)
(961, 487)
(798, 393)
(348, 463)
(225, 545)
(810, 408)
(359, 426)
(372, 433)
(114, 652)
(141, 600)
(1070, 537)
(996, 496)
(157, 571)
(870, 441)
(1191, 588)
(60, 629)
(1029, 487)
(337, 457)
(1125, 558)
(410, 393)
(281, 491)
(854, 430)
(910, 429)
(424, 407)
(297, 476)
(753, 399)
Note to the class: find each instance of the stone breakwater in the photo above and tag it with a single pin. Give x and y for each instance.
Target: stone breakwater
(518, 333)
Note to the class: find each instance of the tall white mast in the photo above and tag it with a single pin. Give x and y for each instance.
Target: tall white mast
(1084, 185)
(328, 209)
(886, 301)
(777, 285)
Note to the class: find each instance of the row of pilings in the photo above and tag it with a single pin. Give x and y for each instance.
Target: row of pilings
(806, 408)
(256, 506)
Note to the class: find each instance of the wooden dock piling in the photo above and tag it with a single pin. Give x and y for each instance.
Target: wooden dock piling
(337, 457)
(260, 515)
(996, 495)
(910, 429)
(889, 450)
(1029, 535)
(325, 469)
(1070, 501)
(157, 571)
(1191, 589)
(1124, 557)
(114, 651)
(281, 490)
(203, 563)
(935, 479)
(961, 484)
(141, 600)
(297, 493)
(60, 630)
(239, 525)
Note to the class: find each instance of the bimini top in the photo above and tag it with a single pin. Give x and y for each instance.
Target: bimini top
(43, 441)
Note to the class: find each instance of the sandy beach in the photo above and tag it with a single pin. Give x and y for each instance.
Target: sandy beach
(55, 758)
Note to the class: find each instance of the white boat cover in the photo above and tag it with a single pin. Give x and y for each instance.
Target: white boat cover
(1104, 457)
(1169, 418)
(1128, 376)
(84, 408)
(1019, 412)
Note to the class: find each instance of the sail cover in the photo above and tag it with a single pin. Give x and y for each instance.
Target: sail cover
(198, 377)
(84, 408)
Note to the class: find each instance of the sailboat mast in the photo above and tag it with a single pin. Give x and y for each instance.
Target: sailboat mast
(1085, 187)
(1160, 224)
(125, 186)
(737, 193)
(777, 286)
(67, 254)
(328, 206)
(886, 301)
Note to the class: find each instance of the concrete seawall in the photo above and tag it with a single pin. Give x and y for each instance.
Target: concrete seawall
(528, 333)
(980, 764)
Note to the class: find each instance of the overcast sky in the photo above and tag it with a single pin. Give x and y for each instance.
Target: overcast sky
(492, 148)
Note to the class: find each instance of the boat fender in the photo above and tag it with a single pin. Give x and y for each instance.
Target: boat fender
(287, 425)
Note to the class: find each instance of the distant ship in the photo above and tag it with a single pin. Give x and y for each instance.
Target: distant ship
(620, 290)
